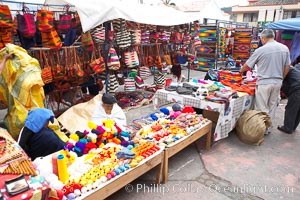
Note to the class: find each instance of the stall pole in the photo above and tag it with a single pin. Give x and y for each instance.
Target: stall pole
(106, 49)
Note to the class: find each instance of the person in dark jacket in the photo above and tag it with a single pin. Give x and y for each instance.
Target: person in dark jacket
(36, 138)
(291, 88)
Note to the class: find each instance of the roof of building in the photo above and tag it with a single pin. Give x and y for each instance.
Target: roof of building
(275, 2)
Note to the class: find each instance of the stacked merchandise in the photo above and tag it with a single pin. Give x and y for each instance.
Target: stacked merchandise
(221, 44)
(242, 41)
(206, 51)
(94, 157)
(255, 40)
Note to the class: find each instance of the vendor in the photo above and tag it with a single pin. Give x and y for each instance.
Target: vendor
(109, 109)
(291, 88)
(36, 138)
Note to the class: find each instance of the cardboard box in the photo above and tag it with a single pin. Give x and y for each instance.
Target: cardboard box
(211, 115)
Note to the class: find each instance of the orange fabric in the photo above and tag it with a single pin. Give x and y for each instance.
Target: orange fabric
(240, 88)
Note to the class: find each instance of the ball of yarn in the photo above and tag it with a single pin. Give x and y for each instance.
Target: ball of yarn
(165, 111)
(176, 107)
(80, 134)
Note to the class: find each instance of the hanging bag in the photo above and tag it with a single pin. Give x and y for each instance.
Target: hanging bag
(98, 34)
(159, 79)
(97, 64)
(129, 84)
(5, 17)
(158, 61)
(65, 21)
(44, 20)
(144, 71)
(5, 37)
(26, 23)
(46, 68)
(87, 41)
(113, 62)
(167, 56)
(131, 59)
(113, 83)
(51, 39)
(77, 64)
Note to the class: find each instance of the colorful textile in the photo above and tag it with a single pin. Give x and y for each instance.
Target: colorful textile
(21, 88)
(221, 43)
(206, 51)
(242, 43)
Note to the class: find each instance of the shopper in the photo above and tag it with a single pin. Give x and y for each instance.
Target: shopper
(291, 88)
(273, 61)
(109, 109)
(3, 61)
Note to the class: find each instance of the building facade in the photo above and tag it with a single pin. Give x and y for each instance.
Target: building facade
(259, 12)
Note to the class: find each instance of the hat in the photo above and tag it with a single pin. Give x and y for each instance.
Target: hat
(37, 118)
(108, 99)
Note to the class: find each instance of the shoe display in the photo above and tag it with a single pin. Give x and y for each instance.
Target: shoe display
(283, 129)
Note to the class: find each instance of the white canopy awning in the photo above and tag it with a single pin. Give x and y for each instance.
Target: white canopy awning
(95, 12)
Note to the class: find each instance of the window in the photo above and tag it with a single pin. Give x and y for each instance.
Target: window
(250, 17)
(291, 14)
(234, 17)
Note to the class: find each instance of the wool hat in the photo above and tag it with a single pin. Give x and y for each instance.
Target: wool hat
(108, 99)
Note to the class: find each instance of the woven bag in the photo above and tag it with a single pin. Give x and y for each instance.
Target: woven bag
(26, 25)
(98, 34)
(113, 60)
(46, 74)
(44, 20)
(5, 17)
(129, 84)
(113, 83)
(252, 126)
(144, 72)
(51, 40)
(159, 79)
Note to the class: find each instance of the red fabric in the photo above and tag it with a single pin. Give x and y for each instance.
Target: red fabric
(47, 192)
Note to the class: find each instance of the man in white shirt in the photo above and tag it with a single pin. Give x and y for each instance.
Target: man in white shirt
(109, 109)
(273, 61)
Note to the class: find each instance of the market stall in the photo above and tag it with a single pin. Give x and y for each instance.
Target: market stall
(226, 102)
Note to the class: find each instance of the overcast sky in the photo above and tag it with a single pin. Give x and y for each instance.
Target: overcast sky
(221, 3)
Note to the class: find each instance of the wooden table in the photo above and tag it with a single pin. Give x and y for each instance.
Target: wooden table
(184, 142)
(127, 177)
(227, 118)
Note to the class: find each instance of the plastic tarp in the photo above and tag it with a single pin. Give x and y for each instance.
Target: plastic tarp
(95, 12)
(292, 24)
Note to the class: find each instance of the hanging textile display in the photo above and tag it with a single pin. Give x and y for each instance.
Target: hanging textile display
(5, 16)
(26, 24)
(207, 50)
(44, 20)
(254, 41)
(21, 72)
(221, 44)
(112, 83)
(242, 41)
